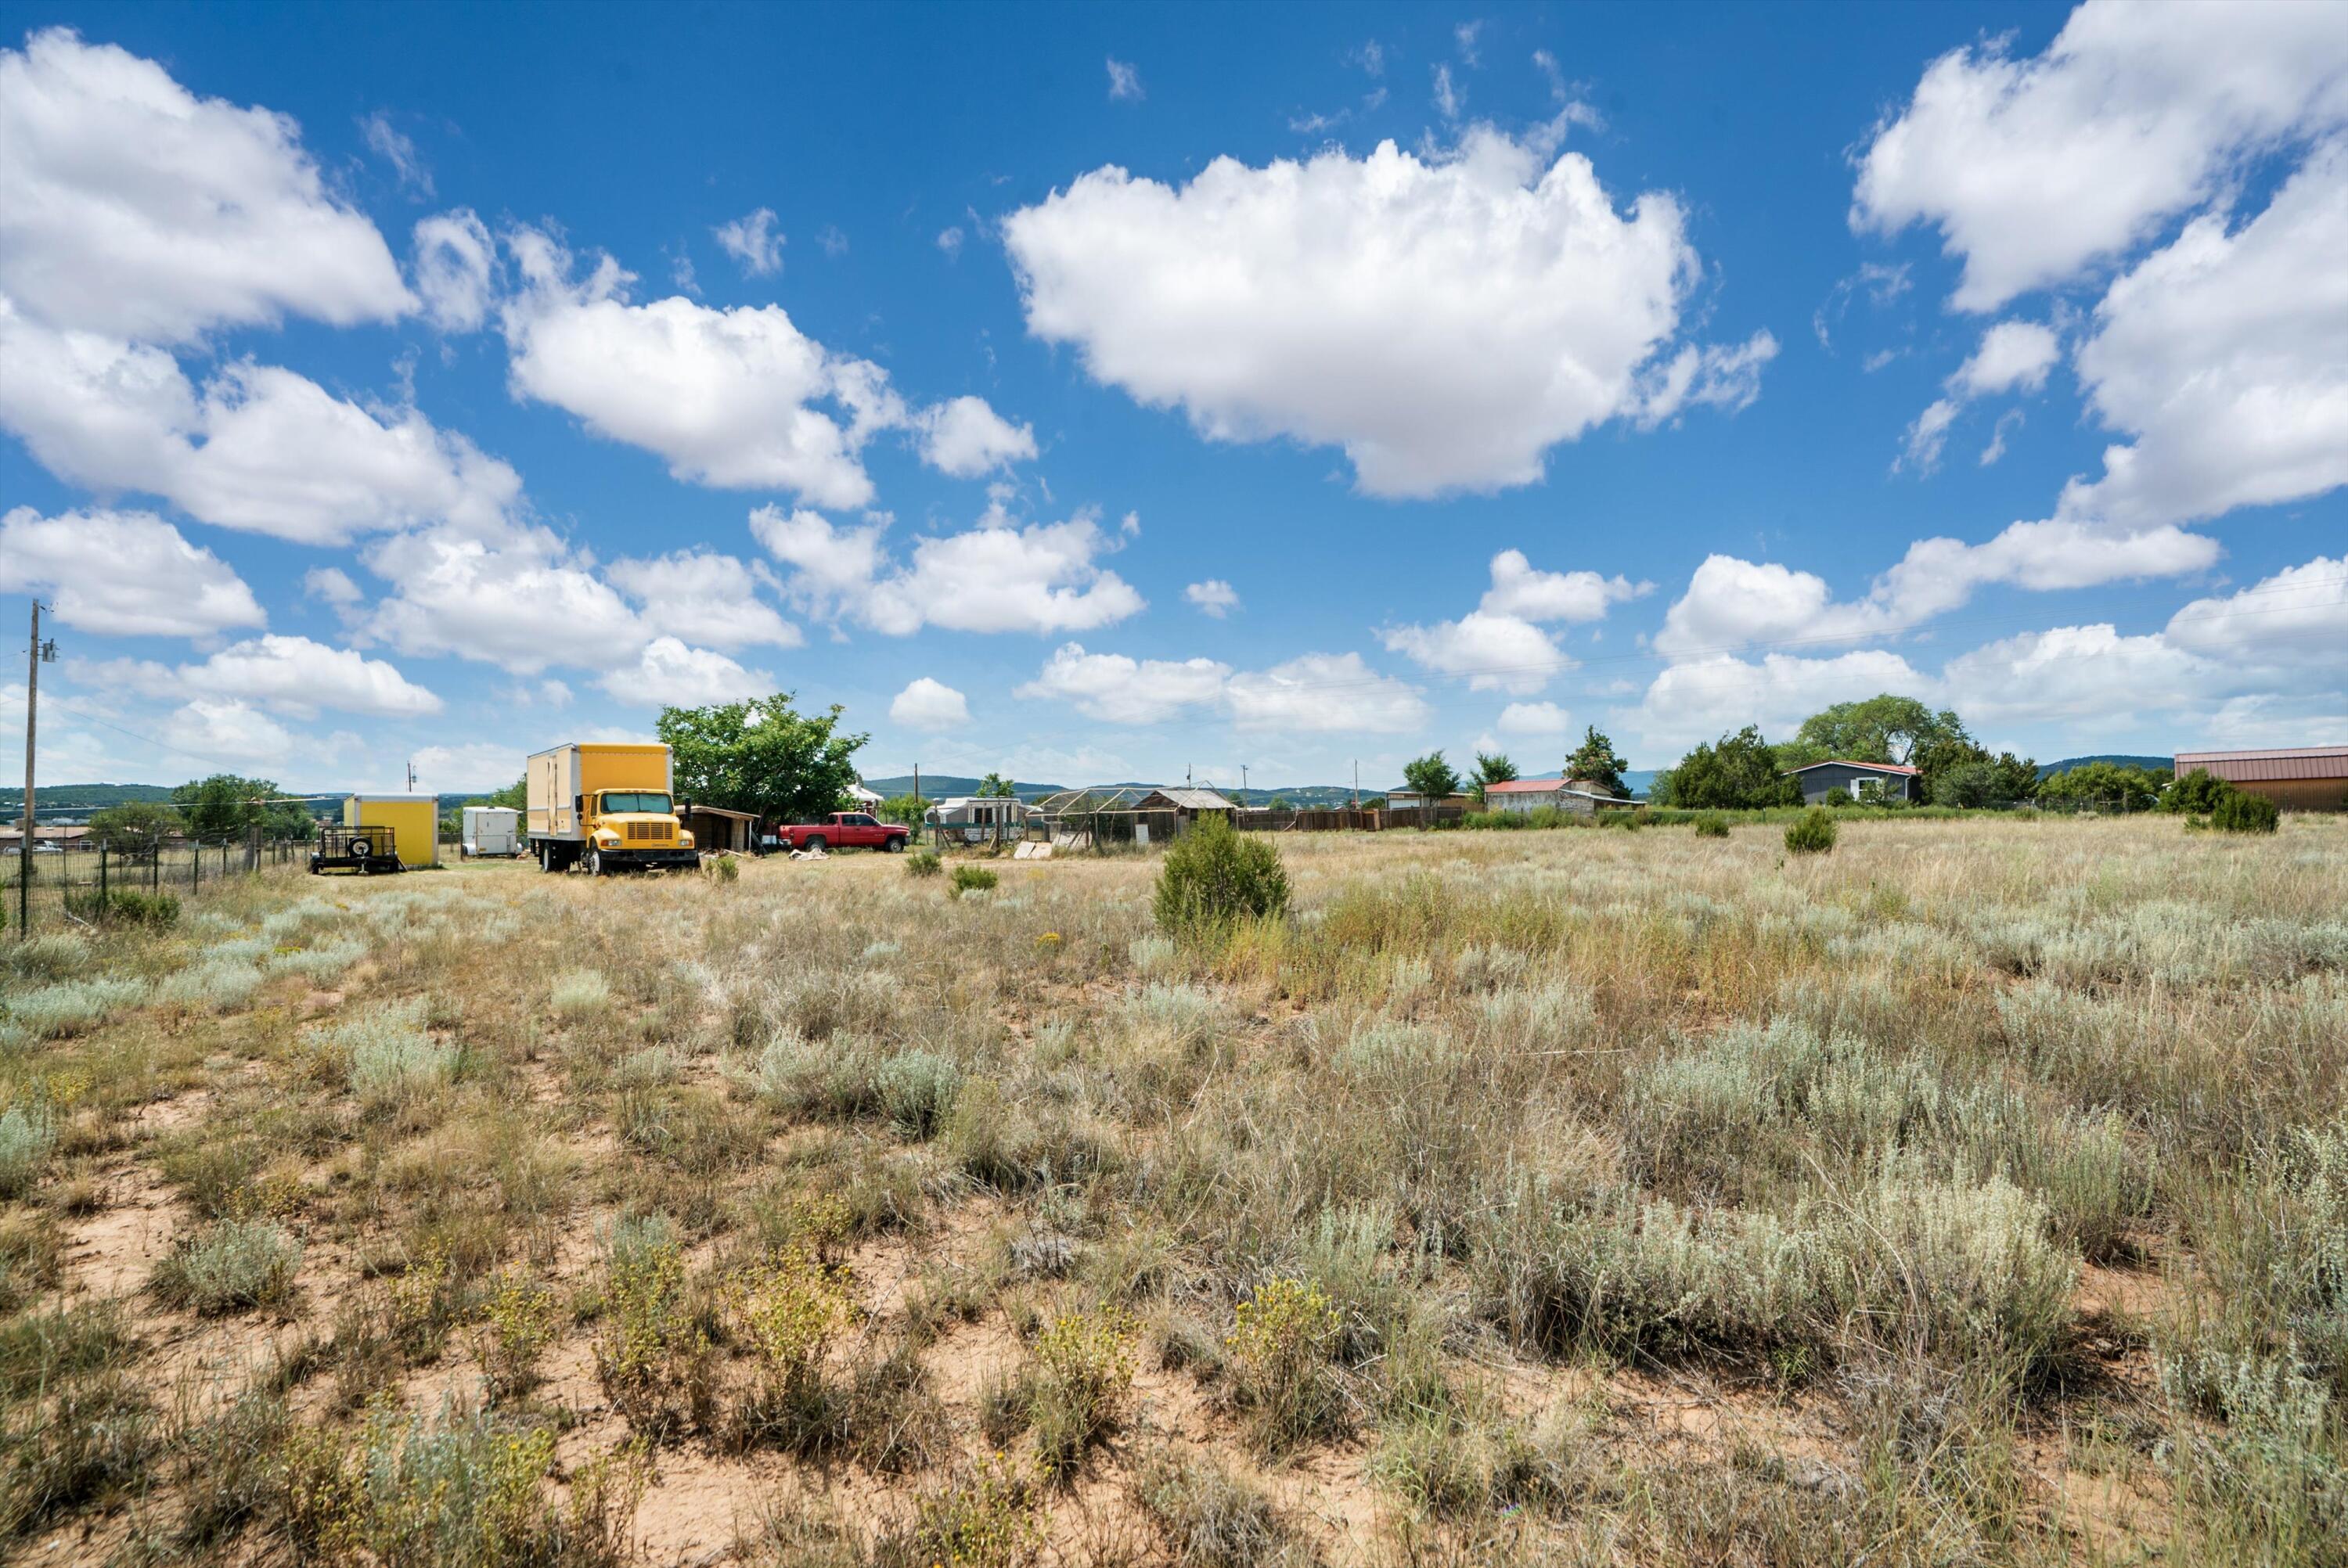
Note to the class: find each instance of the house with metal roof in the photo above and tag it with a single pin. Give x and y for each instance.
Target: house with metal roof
(1838, 778)
(1526, 795)
(2296, 778)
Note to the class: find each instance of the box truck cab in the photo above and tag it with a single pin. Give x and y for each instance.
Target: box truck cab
(607, 807)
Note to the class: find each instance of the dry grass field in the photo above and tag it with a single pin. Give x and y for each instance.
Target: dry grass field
(1975, 1193)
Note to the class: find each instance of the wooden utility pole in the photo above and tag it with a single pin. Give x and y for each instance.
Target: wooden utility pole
(33, 658)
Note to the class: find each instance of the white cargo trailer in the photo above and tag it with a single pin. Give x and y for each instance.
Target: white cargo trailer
(491, 830)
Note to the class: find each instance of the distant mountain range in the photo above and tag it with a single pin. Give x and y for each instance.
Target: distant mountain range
(2116, 759)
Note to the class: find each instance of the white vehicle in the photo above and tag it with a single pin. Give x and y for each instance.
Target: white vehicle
(491, 831)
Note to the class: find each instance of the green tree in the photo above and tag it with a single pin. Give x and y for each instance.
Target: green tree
(1881, 729)
(1491, 768)
(996, 784)
(1738, 772)
(908, 808)
(134, 829)
(1278, 803)
(2197, 793)
(761, 755)
(226, 805)
(515, 796)
(1597, 760)
(1434, 780)
(2103, 786)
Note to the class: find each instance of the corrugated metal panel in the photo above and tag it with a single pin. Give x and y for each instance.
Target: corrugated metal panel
(2248, 767)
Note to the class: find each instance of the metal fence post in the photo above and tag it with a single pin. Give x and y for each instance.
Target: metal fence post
(196, 868)
(101, 877)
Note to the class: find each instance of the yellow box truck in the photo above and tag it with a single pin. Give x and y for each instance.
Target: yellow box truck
(413, 821)
(607, 807)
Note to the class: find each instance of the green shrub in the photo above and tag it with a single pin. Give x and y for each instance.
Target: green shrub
(974, 879)
(923, 863)
(724, 868)
(1711, 824)
(2240, 813)
(1813, 832)
(1214, 877)
(2197, 793)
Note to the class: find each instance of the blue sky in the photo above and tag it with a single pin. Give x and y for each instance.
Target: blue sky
(1112, 392)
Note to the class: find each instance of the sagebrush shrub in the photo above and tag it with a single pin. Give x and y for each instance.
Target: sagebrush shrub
(1812, 833)
(917, 1089)
(230, 1267)
(27, 1134)
(1711, 824)
(973, 880)
(580, 995)
(923, 863)
(69, 1007)
(1214, 877)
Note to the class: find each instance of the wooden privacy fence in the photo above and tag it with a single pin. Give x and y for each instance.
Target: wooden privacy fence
(74, 887)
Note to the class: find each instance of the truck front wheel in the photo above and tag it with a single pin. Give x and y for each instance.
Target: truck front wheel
(894, 845)
(815, 842)
(594, 862)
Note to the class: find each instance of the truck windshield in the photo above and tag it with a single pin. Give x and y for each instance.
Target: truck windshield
(635, 800)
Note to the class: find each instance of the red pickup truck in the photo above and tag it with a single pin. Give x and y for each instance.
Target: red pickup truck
(845, 830)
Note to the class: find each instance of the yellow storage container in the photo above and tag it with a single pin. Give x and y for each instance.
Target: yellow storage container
(413, 820)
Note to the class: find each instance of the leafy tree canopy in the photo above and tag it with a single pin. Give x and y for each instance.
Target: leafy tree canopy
(134, 829)
(1883, 729)
(907, 808)
(1738, 772)
(226, 805)
(1491, 768)
(515, 796)
(763, 756)
(1434, 780)
(996, 784)
(1596, 760)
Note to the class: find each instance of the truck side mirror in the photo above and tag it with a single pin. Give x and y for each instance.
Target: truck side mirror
(579, 803)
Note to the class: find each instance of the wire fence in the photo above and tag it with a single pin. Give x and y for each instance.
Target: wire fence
(87, 885)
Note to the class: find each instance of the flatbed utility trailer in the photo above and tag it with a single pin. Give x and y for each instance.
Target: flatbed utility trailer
(368, 851)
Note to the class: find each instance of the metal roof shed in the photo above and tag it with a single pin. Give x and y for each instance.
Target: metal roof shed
(2296, 778)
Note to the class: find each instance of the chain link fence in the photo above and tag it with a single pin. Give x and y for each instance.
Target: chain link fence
(54, 888)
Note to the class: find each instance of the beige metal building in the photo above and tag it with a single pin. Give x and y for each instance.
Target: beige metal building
(2296, 778)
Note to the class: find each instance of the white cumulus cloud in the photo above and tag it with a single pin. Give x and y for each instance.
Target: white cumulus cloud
(929, 704)
(753, 241)
(1001, 576)
(1445, 322)
(965, 437)
(2034, 170)
(131, 208)
(122, 574)
(710, 598)
(259, 447)
(1499, 645)
(1214, 596)
(454, 267)
(668, 672)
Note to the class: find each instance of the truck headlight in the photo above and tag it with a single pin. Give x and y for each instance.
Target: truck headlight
(607, 840)
(685, 838)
